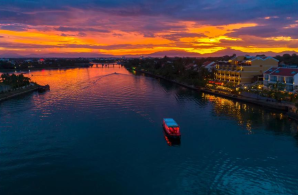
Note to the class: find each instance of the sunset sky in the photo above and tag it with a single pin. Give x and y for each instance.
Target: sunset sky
(142, 27)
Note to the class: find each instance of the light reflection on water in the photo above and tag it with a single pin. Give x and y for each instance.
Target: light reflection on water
(100, 132)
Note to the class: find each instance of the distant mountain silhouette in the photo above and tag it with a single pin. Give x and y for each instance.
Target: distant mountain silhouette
(68, 55)
(10, 55)
(170, 53)
(174, 53)
(54, 55)
(238, 53)
(224, 52)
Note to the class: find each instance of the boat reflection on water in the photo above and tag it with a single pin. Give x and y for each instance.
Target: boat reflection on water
(172, 141)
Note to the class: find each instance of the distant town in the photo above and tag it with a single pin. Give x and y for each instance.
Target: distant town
(261, 79)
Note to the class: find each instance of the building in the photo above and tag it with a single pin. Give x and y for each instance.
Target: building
(41, 61)
(288, 66)
(191, 66)
(209, 65)
(288, 77)
(242, 69)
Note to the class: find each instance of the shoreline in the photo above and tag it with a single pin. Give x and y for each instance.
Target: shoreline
(44, 68)
(19, 92)
(272, 106)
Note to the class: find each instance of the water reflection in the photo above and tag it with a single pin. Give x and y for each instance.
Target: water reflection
(249, 117)
(172, 141)
(97, 130)
(252, 117)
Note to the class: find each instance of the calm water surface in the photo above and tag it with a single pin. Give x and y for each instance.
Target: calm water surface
(97, 132)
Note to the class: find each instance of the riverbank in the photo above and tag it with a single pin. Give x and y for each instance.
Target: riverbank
(173, 81)
(19, 92)
(281, 107)
(43, 68)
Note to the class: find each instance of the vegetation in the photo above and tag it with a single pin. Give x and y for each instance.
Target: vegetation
(174, 69)
(288, 59)
(296, 105)
(6, 65)
(275, 91)
(20, 64)
(15, 81)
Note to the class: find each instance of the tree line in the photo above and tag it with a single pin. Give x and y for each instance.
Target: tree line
(15, 81)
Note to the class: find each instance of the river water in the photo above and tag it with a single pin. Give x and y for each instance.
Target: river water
(97, 132)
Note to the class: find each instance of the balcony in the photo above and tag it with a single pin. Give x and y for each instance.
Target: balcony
(223, 63)
(273, 79)
(289, 80)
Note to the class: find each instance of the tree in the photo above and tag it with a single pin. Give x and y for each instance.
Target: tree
(15, 81)
(296, 105)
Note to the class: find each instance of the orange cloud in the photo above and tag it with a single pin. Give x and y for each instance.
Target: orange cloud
(193, 37)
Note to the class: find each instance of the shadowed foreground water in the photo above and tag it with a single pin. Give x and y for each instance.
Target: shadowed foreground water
(97, 132)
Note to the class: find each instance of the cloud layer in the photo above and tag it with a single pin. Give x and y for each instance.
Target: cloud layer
(124, 27)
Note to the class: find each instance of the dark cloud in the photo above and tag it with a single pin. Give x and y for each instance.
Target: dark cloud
(1, 37)
(25, 46)
(67, 35)
(217, 12)
(82, 34)
(7, 16)
(113, 47)
(266, 31)
(117, 35)
(152, 18)
(262, 31)
(107, 47)
(68, 29)
(14, 27)
(177, 36)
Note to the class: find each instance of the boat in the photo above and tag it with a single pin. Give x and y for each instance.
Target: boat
(171, 128)
(171, 141)
(42, 89)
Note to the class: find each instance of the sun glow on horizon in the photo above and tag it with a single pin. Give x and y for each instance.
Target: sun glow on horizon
(194, 38)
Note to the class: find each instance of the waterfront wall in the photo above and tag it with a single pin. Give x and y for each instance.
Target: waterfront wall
(4, 88)
(260, 102)
(18, 92)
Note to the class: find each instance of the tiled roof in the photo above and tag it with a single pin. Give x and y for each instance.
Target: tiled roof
(207, 63)
(282, 71)
(189, 66)
(269, 71)
(252, 58)
(263, 58)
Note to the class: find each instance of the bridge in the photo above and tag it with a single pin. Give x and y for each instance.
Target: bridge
(102, 65)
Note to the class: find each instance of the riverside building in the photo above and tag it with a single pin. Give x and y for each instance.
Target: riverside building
(287, 78)
(243, 69)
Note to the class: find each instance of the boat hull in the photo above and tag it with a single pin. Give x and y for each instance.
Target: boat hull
(171, 135)
(176, 141)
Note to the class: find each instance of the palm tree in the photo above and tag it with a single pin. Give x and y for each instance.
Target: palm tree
(296, 105)
(4, 77)
(15, 81)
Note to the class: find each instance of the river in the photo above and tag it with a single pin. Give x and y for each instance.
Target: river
(97, 132)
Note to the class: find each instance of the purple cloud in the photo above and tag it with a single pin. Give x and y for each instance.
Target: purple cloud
(67, 29)
(14, 27)
(177, 36)
(266, 31)
(215, 12)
